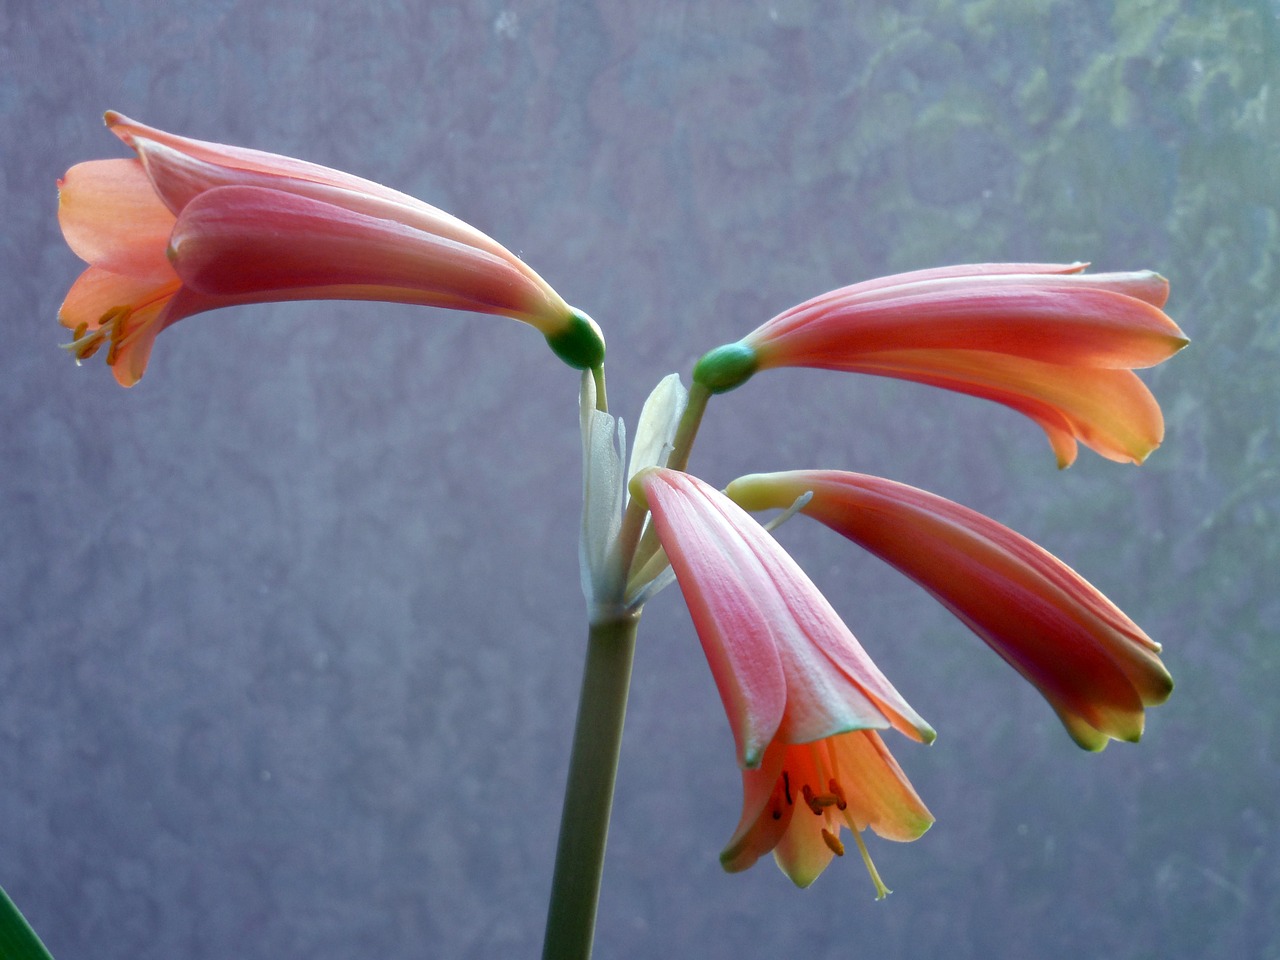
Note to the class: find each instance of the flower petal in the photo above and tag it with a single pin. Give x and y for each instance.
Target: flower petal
(181, 167)
(879, 794)
(98, 292)
(1082, 320)
(758, 830)
(241, 241)
(111, 217)
(785, 663)
(1110, 411)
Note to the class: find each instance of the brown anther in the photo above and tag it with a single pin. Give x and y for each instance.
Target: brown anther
(817, 803)
(113, 351)
(81, 329)
(833, 842)
(835, 788)
(89, 347)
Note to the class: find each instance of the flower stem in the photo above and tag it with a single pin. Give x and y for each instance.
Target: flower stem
(17, 940)
(688, 427)
(584, 821)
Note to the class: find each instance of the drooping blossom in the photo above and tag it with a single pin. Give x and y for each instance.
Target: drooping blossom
(1095, 666)
(188, 226)
(1047, 340)
(802, 696)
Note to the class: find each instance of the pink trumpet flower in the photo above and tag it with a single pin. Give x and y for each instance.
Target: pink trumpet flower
(1094, 665)
(189, 226)
(803, 698)
(1047, 340)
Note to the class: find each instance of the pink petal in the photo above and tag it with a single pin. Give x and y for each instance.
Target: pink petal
(716, 576)
(1077, 320)
(765, 627)
(112, 218)
(250, 241)
(179, 164)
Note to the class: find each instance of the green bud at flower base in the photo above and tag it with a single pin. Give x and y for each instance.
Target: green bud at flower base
(726, 367)
(580, 344)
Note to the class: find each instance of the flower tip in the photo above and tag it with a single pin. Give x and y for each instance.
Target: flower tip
(635, 486)
(579, 343)
(114, 119)
(726, 367)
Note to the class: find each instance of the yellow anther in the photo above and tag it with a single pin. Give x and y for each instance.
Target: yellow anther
(838, 792)
(833, 842)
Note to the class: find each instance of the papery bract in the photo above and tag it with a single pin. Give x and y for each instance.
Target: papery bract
(789, 673)
(1093, 664)
(1047, 340)
(189, 226)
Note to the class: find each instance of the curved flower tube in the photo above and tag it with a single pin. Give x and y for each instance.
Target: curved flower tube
(1094, 665)
(801, 695)
(1046, 340)
(189, 226)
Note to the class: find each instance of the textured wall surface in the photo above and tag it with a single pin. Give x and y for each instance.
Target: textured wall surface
(291, 633)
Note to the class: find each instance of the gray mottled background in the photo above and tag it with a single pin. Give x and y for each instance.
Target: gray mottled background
(290, 634)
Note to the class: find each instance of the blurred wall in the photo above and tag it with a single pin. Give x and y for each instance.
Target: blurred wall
(290, 633)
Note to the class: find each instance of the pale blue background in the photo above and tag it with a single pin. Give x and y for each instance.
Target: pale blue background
(290, 634)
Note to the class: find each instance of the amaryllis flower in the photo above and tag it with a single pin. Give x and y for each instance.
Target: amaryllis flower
(188, 226)
(1093, 664)
(802, 696)
(1046, 340)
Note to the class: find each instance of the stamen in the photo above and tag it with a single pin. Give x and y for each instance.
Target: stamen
(87, 346)
(801, 502)
(881, 890)
(835, 788)
(809, 798)
(85, 342)
(833, 842)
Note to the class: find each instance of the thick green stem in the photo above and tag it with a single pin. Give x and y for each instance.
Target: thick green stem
(17, 940)
(584, 821)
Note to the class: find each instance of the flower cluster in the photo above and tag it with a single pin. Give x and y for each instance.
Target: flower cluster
(187, 226)
(803, 699)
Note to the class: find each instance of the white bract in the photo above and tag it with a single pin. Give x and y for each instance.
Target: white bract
(604, 484)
